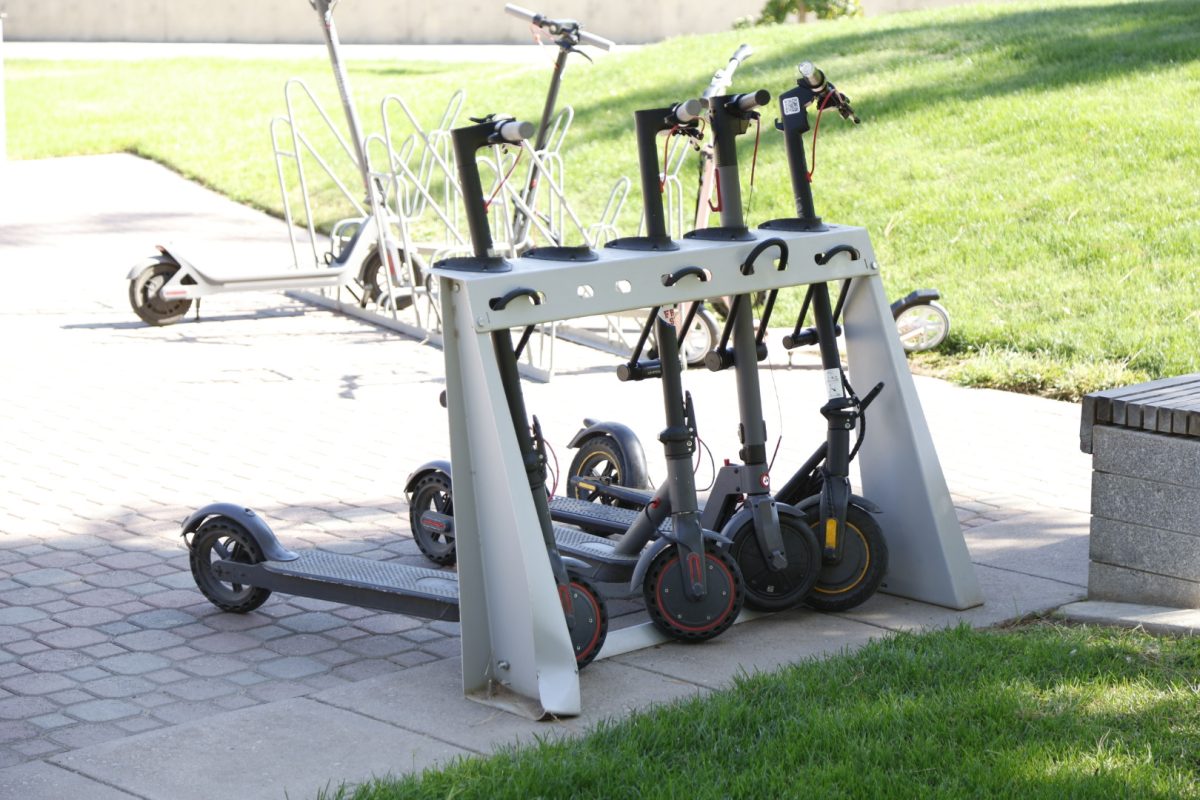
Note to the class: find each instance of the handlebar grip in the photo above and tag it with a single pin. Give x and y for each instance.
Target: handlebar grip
(515, 130)
(751, 100)
(520, 13)
(596, 41)
(687, 111)
(810, 74)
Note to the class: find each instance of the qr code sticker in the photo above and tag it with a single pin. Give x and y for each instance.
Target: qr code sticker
(791, 105)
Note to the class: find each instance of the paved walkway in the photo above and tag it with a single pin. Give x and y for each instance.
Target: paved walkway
(117, 680)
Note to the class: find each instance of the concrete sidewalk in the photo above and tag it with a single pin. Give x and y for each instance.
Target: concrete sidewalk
(117, 679)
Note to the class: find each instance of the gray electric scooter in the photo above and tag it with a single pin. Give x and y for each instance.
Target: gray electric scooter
(691, 586)
(237, 561)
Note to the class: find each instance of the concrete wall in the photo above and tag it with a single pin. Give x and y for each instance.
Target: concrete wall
(373, 21)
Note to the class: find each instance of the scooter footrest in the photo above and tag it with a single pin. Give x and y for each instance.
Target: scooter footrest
(592, 549)
(594, 516)
(367, 573)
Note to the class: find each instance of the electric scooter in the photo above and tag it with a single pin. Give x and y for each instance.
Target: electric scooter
(237, 561)
(691, 586)
(852, 551)
(162, 289)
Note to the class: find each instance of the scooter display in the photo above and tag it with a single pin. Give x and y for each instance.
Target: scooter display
(237, 561)
(692, 588)
(852, 551)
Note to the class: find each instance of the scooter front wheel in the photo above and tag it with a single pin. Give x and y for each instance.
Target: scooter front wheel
(144, 296)
(686, 620)
(222, 539)
(591, 620)
(768, 589)
(923, 327)
(852, 580)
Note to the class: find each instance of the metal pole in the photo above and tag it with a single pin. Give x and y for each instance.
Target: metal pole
(3, 135)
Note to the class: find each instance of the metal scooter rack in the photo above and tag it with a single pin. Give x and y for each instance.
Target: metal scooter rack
(513, 635)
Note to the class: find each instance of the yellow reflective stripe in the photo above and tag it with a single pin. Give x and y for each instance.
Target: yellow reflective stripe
(830, 533)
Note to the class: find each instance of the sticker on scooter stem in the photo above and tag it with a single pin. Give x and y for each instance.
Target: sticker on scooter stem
(833, 383)
(668, 314)
(791, 105)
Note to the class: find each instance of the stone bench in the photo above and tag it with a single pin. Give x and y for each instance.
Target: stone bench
(1145, 533)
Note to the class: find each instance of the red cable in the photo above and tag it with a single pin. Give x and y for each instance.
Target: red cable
(504, 180)
(817, 127)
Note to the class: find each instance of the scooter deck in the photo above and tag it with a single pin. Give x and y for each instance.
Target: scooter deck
(385, 585)
(596, 517)
(596, 551)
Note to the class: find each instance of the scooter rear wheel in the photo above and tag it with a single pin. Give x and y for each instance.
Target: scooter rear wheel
(777, 590)
(220, 538)
(853, 580)
(599, 458)
(591, 621)
(375, 283)
(923, 327)
(693, 620)
(144, 297)
(432, 493)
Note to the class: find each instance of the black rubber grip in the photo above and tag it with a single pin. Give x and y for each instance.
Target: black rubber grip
(824, 258)
(683, 272)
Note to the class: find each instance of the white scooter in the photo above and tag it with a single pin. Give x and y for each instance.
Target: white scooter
(161, 289)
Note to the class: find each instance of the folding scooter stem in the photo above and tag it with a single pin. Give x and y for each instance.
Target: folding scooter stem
(730, 116)
(467, 141)
(840, 413)
(333, 44)
(521, 221)
(647, 124)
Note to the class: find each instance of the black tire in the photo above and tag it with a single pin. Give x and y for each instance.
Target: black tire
(143, 294)
(591, 621)
(599, 458)
(432, 493)
(771, 590)
(852, 581)
(693, 621)
(374, 282)
(220, 538)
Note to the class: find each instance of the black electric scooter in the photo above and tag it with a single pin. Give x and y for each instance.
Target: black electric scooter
(852, 549)
(237, 561)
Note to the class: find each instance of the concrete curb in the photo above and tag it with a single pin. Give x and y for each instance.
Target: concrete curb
(1152, 619)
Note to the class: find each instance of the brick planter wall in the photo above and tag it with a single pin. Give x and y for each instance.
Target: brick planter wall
(1145, 534)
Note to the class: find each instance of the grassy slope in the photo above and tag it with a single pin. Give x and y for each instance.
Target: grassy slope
(1034, 162)
(1042, 712)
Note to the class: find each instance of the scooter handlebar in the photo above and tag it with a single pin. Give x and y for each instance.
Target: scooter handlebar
(723, 77)
(558, 26)
(687, 111)
(514, 131)
(750, 100)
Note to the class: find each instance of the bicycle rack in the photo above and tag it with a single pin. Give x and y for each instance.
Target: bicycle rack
(514, 640)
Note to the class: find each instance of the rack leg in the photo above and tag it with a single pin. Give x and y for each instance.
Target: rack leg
(517, 652)
(927, 555)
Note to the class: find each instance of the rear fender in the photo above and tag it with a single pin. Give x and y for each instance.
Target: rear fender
(437, 465)
(255, 525)
(628, 443)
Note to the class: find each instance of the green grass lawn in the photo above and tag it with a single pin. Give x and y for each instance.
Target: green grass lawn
(1036, 162)
(1041, 711)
